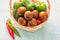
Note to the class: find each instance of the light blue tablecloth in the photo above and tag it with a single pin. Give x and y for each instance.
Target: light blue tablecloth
(50, 31)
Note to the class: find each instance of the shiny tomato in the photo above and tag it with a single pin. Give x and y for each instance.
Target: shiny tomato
(28, 15)
(43, 16)
(21, 11)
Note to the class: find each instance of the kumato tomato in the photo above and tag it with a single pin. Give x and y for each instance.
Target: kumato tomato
(32, 22)
(21, 11)
(35, 13)
(21, 21)
(28, 15)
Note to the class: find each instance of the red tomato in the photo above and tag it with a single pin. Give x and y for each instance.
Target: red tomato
(38, 21)
(34, 0)
(43, 16)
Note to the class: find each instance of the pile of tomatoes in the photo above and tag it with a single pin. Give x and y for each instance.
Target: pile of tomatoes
(28, 13)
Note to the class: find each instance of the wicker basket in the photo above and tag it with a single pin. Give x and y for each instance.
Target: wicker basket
(28, 28)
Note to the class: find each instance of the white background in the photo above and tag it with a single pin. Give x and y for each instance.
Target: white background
(50, 31)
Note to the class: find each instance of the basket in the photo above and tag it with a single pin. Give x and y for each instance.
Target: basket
(28, 28)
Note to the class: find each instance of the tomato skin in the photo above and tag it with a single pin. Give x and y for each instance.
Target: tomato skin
(30, 7)
(15, 14)
(17, 5)
(21, 21)
(43, 16)
(21, 11)
(34, 0)
(39, 21)
(32, 22)
(28, 15)
(35, 13)
(40, 6)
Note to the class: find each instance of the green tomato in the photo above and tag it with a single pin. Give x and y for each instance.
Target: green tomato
(15, 14)
(17, 5)
(30, 6)
(41, 6)
(40, 3)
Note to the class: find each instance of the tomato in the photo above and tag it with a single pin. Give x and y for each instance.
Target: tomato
(32, 22)
(40, 6)
(21, 11)
(43, 16)
(21, 21)
(28, 15)
(38, 21)
(15, 14)
(30, 6)
(34, 0)
(17, 5)
(35, 13)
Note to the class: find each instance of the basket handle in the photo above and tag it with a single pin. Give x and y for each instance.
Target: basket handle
(48, 10)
